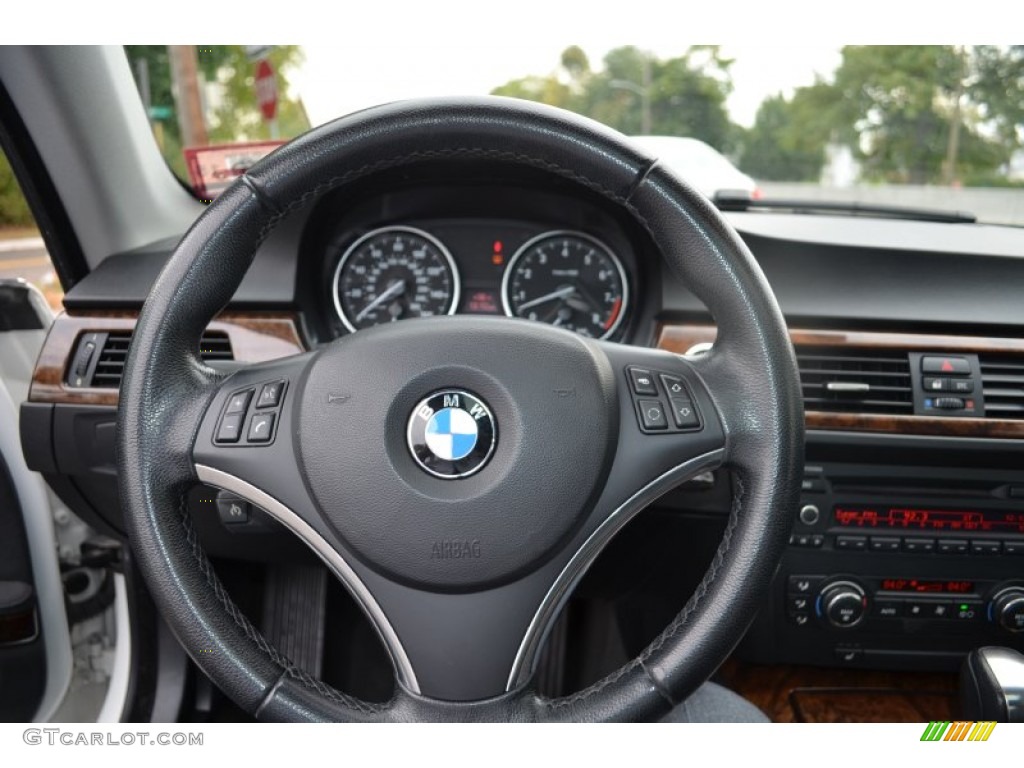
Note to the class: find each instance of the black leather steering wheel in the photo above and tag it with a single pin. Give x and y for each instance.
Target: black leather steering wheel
(462, 577)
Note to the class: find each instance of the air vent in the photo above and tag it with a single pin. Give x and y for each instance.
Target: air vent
(1002, 385)
(215, 345)
(844, 380)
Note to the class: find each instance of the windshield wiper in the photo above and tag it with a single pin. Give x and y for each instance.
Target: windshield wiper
(733, 201)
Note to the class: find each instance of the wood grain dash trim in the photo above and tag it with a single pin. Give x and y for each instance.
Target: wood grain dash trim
(682, 337)
(255, 337)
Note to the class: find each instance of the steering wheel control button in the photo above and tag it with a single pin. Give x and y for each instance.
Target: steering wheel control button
(232, 510)
(642, 382)
(675, 387)
(684, 413)
(230, 428)
(261, 428)
(239, 402)
(452, 434)
(652, 414)
(270, 395)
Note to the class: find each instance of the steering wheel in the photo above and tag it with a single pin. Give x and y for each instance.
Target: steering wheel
(459, 474)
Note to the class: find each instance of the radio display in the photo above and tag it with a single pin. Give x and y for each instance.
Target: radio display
(927, 585)
(910, 518)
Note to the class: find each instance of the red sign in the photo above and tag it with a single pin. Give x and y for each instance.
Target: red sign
(266, 89)
(212, 169)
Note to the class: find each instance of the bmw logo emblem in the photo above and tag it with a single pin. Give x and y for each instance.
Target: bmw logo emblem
(452, 434)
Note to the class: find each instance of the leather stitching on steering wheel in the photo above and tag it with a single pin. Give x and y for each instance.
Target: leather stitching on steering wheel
(286, 665)
(677, 623)
(278, 212)
(660, 679)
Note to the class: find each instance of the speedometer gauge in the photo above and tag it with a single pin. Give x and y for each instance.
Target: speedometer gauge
(394, 273)
(567, 279)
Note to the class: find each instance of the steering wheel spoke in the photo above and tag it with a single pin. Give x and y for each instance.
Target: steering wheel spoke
(460, 474)
(246, 437)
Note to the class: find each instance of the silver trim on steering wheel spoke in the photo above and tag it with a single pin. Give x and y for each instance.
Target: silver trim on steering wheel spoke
(330, 557)
(551, 606)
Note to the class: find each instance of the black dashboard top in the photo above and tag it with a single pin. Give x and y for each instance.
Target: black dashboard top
(834, 270)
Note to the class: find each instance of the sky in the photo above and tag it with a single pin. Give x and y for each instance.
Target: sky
(336, 80)
(365, 53)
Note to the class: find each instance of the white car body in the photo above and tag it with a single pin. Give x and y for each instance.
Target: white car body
(700, 164)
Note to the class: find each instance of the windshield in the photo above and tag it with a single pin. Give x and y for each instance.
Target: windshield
(936, 127)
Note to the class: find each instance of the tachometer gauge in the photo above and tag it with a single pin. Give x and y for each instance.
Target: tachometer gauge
(567, 279)
(394, 273)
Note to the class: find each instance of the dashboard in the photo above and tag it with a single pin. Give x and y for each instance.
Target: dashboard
(473, 248)
(907, 545)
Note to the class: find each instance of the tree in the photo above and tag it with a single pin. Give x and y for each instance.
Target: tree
(14, 210)
(999, 91)
(686, 94)
(778, 148)
(912, 114)
(236, 117)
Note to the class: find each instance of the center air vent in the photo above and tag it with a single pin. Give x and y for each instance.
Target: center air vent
(1002, 384)
(844, 380)
(104, 369)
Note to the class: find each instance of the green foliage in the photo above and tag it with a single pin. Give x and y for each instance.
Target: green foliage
(687, 93)
(238, 118)
(898, 99)
(235, 116)
(999, 90)
(14, 210)
(897, 107)
(777, 148)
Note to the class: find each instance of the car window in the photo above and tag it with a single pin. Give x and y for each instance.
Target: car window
(938, 126)
(22, 252)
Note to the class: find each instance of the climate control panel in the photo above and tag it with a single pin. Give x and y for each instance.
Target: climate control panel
(874, 604)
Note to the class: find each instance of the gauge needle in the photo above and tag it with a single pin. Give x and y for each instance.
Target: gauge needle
(395, 289)
(561, 293)
(563, 314)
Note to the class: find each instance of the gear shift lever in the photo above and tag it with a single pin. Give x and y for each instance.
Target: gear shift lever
(992, 685)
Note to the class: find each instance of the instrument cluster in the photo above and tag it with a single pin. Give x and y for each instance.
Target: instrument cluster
(564, 277)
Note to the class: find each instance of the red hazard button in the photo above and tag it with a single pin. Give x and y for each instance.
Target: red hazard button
(953, 365)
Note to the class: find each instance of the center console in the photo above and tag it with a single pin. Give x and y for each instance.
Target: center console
(897, 568)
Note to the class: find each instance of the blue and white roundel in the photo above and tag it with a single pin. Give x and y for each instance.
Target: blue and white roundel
(451, 434)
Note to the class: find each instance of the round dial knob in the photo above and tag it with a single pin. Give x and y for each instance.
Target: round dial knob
(1008, 609)
(844, 604)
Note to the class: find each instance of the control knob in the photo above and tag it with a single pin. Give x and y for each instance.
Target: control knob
(1007, 609)
(843, 604)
